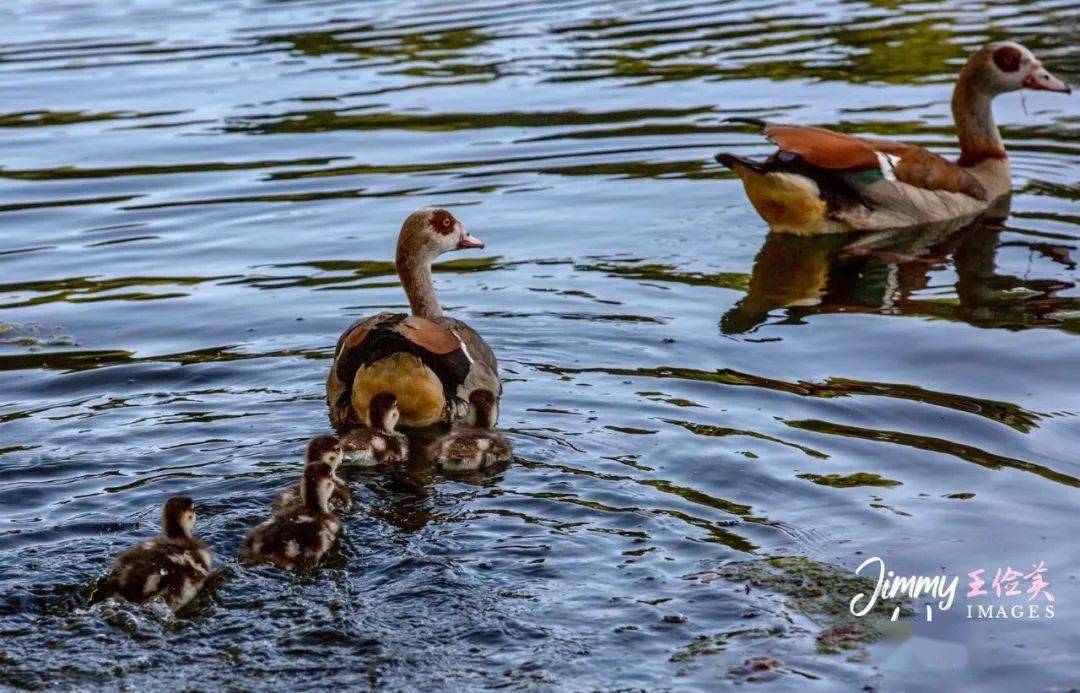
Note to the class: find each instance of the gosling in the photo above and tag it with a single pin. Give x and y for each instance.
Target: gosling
(171, 568)
(477, 446)
(298, 539)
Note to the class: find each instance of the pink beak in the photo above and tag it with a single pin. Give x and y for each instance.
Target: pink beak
(1041, 79)
(469, 241)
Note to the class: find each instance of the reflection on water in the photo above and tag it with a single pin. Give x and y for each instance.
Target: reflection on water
(891, 273)
(197, 200)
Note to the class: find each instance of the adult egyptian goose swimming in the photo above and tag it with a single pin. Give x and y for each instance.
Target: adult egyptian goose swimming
(822, 181)
(171, 568)
(429, 362)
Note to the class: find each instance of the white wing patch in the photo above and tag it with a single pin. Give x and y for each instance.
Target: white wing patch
(464, 349)
(151, 585)
(888, 164)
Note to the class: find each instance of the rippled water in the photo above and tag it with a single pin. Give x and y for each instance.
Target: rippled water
(197, 197)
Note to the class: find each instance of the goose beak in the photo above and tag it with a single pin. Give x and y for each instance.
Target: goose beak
(469, 241)
(1041, 80)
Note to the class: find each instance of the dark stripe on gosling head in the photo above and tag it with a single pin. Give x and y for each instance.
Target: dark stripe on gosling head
(379, 408)
(172, 513)
(483, 403)
(311, 482)
(319, 446)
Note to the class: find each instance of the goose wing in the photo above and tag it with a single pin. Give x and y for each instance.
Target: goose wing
(448, 347)
(835, 152)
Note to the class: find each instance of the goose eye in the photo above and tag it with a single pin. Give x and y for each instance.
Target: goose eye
(1007, 58)
(443, 222)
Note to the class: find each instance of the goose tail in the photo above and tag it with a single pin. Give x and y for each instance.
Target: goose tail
(747, 121)
(736, 162)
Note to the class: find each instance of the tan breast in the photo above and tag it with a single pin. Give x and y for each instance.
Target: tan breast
(419, 393)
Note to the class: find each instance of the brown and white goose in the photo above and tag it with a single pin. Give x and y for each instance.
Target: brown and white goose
(429, 362)
(822, 181)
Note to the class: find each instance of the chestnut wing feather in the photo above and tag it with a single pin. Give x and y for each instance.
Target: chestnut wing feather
(823, 148)
(339, 381)
(929, 171)
(427, 334)
(436, 344)
(485, 367)
(478, 349)
(836, 151)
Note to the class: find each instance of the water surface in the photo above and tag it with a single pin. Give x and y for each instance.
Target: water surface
(195, 199)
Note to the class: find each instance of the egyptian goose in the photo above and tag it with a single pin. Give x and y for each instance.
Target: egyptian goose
(171, 568)
(429, 362)
(822, 181)
(300, 537)
(477, 446)
(326, 449)
(379, 443)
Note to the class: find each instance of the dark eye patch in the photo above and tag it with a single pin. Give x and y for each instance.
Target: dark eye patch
(1007, 58)
(443, 221)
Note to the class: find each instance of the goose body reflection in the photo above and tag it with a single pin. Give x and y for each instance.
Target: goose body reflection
(885, 272)
(476, 446)
(328, 450)
(429, 362)
(171, 568)
(822, 181)
(300, 537)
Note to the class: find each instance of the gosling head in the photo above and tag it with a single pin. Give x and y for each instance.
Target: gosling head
(483, 409)
(324, 449)
(383, 413)
(178, 517)
(316, 486)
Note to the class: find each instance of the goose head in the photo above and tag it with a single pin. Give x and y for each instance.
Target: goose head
(1008, 66)
(178, 517)
(317, 485)
(483, 409)
(324, 449)
(383, 413)
(429, 232)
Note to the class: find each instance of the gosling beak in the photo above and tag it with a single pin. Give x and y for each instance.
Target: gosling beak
(469, 241)
(1041, 80)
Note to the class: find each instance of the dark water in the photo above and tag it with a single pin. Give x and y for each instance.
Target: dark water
(196, 197)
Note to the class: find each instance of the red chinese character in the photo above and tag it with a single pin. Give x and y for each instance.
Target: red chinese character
(996, 584)
(975, 586)
(1011, 580)
(1038, 584)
